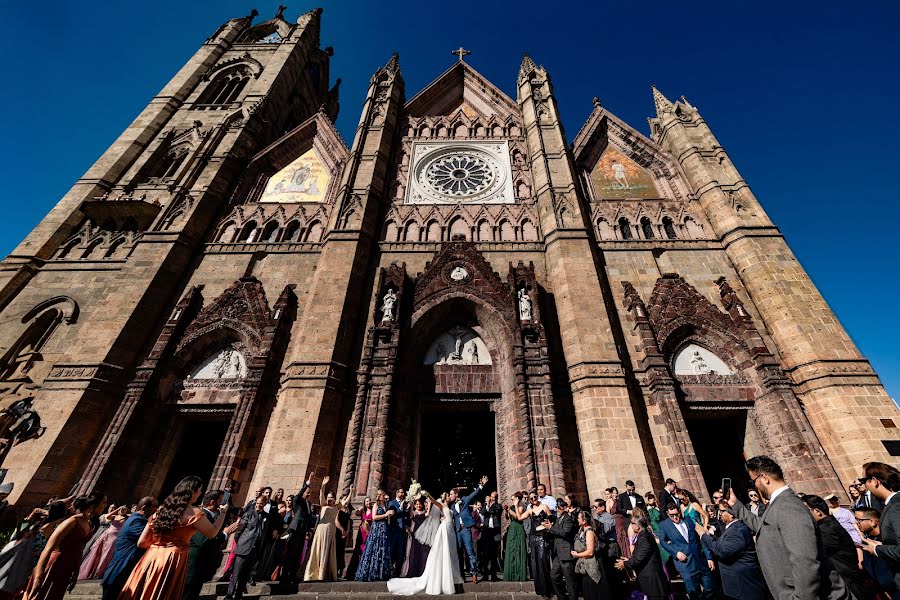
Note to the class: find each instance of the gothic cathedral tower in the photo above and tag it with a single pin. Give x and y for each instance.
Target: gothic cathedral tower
(234, 292)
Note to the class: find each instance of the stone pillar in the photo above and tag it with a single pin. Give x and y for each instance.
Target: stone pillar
(607, 428)
(839, 392)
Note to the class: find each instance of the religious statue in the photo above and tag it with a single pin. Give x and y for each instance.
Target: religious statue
(457, 356)
(473, 353)
(387, 306)
(524, 305)
(228, 365)
(698, 364)
(18, 422)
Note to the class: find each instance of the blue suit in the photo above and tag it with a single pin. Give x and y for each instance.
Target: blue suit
(464, 522)
(694, 571)
(738, 566)
(397, 532)
(125, 555)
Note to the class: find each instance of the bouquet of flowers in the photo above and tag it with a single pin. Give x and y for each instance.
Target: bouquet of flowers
(414, 491)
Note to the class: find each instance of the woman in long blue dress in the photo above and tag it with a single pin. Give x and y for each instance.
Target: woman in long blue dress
(375, 563)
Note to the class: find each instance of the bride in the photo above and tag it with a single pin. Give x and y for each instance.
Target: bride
(441, 573)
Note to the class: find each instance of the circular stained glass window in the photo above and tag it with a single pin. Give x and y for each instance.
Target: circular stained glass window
(459, 174)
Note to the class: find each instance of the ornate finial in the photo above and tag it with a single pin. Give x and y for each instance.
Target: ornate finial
(281, 9)
(460, 52)
(663, 105)
(597, 103)
(394, 63)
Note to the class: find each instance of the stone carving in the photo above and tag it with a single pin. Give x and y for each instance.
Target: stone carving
(387, 306)
(458, 346)
(226, 364)
(460, 172)
(692, 359)
(458, 274)
(524, 305)
(18, 422)
(698, 364)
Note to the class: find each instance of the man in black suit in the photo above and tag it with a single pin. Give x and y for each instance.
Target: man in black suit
(489, 544)
(667, 498)
(562, 535)
(736, 553)
(883, 481)
(297, 531)
(249, 535)
(867, 499)
(629, 500)
(837, 547)
(646, 562)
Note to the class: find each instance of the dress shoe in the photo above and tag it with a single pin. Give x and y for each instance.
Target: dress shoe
(474, 578)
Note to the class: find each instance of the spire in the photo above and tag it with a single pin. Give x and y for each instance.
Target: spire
(663, 105)
(393, 65)
(527, 67)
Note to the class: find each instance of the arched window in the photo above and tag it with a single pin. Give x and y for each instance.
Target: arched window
(64, 253)
(248, 233)
(224, 89)
(529, 232)
(605, 230)
(507, 233)
(115, 248)
(412, 232)
(90, 249)
(458, 227)
(167, 163)
(270, 232)
(433, 233)
(625, 229)
(391, 233)
(669, 228)
(647, 229)
(693, 229)
(314, 232)
(484, 231)
(228, 233)
(291, 232)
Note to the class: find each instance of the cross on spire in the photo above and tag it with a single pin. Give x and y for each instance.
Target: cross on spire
(460, 52)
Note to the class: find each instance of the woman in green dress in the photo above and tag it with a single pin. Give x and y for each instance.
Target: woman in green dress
(653, 516)
(515, 557)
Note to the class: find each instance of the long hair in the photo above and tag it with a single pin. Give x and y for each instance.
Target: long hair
(82, 503)
(168, 517)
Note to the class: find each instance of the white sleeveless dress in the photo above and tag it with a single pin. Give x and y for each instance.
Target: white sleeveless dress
(441, 567)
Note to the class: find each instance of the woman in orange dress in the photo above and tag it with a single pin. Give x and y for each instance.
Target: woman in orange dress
(62, 555)
(161, 572)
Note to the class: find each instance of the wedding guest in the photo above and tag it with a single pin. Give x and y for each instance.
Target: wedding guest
(667, 497)
(550, 501)
(869, 520)
(365, 523)
(375, 562)
(622, 522)
(62, 555)
(344, 526)
(515, 556)
(755, 505)
(679, 537)
(460, 508)
(882, 481)
(867, 498)
(788, 551)
(416, 551)
(855, 496)
(691, 508)
(561, 535)
(205, 554)
(538, 549)
(714, 524)
(489, 544)
(646, 563)
(736, 554)
(249, 534)
(100, 525)
(94, 565)
(845, 518)
(587, 567)
(270, 556)
(322, 565)
(16, 556)
(297, 530)
(161, 571)
(654, 516)
(477, 530)
(126, 552)
(397, 529)
(626, 502)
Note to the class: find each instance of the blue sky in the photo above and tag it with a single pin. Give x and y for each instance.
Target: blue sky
(803, 97)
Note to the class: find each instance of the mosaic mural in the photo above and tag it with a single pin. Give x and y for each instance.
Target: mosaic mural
(617, 176)
(304, 180)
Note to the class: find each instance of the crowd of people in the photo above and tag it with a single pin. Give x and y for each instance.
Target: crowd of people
(777, 542)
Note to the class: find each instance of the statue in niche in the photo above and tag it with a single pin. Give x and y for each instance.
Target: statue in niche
(18, 422)
(228, 365)
(457, 355)
(473, 353)
(699, 365)
(387, 306)
(441, 353)
(524, 305)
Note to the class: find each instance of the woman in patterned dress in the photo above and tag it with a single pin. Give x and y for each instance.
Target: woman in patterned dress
(375, 563)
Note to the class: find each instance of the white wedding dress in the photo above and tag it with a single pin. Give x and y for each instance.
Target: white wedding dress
(441, 567)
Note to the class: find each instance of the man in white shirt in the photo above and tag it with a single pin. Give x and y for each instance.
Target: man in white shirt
(548, 501)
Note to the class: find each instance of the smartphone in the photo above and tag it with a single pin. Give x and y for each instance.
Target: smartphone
(226, 498)
(726, 487)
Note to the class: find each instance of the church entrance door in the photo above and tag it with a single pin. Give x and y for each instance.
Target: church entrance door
(457, 446)
(198, 447)
(718, 439)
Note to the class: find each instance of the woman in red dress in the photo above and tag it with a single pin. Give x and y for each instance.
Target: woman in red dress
(161, 572)
(61, 557)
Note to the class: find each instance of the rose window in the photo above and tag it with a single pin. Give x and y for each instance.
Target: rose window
(460, 174)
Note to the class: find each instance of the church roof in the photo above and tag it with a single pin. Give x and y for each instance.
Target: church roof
(463, 87)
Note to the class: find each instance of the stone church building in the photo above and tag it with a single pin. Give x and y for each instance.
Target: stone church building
(233, 290)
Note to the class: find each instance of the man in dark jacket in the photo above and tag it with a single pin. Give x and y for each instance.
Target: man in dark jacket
(489, 544)
(882, 481)
(126, 553)
(249, 536)
(628, 501)
(561, 535)
(205, 553)
(646, 562)
(297, 531)
(736, 552)
(667, 498)
(837, 548)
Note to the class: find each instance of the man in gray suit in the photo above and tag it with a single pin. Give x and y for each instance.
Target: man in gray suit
(883, 481)
(786, 539)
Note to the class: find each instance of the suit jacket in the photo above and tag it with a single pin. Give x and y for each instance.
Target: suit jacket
(400, 521)
(464, 512)
(738, 565)
(623, 504)
(889, 551)
(673, 542)
(495, 511)
(249, 532)
(647, 565)
(125, 552)
(205, 553)
(787, 551)
(837, 547)
(665, 501)
(302, 512)
(562, 536)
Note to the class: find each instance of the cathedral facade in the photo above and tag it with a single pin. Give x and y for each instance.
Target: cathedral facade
(233, 290)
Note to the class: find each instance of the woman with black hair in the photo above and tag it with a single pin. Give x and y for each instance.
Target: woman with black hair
(162, 570)
(61, 556)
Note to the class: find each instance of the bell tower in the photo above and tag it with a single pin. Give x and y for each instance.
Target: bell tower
(837, 386)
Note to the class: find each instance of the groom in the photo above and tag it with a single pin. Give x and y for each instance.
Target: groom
(464, 522)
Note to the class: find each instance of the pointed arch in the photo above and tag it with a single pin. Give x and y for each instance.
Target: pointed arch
(314, 232)
(270, 232)
(433, 231)
(91, 248)
(669, 228)
(604, 230)
(40, 324)
(647, 228)
(458, 226)
(291, 232)
(391, 232)
(529, 231)
(114, 248)
(693, 229)
(625, 229)
(228, 233)
(411, 232)
(506, 231)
